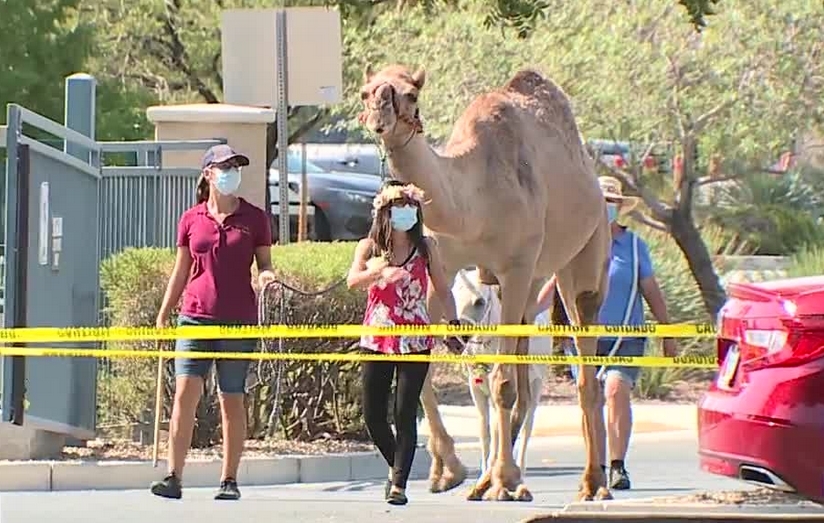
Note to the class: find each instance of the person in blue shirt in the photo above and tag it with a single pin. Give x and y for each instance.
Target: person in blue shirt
(631, 277)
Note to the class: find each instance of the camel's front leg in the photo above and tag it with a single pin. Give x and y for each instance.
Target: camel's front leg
(481, 400)
(447, 471)
(503, 482)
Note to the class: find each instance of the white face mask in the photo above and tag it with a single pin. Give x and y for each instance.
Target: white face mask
(227, 181)
(403, 218)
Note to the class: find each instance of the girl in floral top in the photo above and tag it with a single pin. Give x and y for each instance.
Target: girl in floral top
(396, 262)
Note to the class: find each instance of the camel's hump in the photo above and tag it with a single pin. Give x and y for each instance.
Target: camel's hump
(527, 82)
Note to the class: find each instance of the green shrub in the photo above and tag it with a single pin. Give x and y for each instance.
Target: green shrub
(316, 399)
(807, 262)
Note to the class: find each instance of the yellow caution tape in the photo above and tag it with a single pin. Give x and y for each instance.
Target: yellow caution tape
(707, 362)
(210, 332)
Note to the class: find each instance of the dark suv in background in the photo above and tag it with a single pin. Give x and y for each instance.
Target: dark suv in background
(339, 204)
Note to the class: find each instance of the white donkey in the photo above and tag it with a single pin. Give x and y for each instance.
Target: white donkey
(479, 304)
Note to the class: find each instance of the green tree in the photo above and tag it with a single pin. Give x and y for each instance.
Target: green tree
(172, 48)
(634, 72)
(40, 44)
(45, 41)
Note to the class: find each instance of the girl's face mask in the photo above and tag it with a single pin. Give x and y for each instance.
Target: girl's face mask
(403, 218)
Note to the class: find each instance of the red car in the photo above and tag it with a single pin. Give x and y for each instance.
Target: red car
(762, 419)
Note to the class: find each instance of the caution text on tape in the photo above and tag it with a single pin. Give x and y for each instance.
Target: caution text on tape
(88, 334)
(542, 359)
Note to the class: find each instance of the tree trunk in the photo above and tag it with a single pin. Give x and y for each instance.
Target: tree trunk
(689, 240)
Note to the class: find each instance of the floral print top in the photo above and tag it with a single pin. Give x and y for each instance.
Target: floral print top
(402, 302)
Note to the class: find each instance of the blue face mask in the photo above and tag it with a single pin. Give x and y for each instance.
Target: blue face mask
(227, 181)
(403, 218)
(612, 211)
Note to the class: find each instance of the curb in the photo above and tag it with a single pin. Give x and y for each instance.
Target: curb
(641, 506)
(47, 476)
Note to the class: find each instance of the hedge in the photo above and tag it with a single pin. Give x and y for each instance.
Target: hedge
(317, 399)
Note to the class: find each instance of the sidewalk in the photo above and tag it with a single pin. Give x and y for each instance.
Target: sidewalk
(461, 422)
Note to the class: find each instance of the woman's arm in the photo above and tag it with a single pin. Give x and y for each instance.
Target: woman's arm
(263, 249)
(655, 298)
(263, 258)
(439, 284)
(359, 274)
(177, 282)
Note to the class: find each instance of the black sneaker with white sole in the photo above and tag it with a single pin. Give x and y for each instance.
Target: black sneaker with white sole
(619, 477)
(228, 490)
(168, 487)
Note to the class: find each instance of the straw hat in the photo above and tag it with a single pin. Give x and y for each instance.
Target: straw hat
(611, 187)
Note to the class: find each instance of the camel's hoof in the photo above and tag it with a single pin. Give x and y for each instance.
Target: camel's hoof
(522, 493)
(474, 494)
(603, 494)
(447, 482)
(498, 493)
(452, 479)
(584, 495)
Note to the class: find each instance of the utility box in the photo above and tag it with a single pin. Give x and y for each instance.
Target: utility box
(313, 56)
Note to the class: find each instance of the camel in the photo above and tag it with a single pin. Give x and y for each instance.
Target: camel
(513, 192)
(478, 303)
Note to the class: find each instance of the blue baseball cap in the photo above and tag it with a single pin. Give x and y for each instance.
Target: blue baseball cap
(222, 153)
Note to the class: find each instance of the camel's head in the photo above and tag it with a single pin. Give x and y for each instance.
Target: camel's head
(390, 101)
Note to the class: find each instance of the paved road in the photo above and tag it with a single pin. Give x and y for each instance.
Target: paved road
(659, 464)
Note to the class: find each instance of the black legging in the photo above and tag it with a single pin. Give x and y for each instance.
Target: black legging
(398, 450)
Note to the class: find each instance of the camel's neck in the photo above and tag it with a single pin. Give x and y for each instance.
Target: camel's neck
(440, 179)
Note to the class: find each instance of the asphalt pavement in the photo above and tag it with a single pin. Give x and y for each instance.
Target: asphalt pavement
(659, 464)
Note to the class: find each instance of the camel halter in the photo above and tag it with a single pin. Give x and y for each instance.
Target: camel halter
(413, 121)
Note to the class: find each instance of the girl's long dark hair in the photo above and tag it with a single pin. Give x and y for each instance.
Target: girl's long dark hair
(381, 231)
(202, 191)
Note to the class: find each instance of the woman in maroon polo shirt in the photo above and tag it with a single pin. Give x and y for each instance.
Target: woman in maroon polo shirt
(217, 239)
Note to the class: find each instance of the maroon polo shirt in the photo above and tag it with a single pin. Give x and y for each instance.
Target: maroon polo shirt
(220, 285)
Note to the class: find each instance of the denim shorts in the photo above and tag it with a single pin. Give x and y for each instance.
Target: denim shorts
(628, 347)
(231, 373)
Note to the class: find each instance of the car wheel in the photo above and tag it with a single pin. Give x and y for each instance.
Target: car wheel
(322, 231)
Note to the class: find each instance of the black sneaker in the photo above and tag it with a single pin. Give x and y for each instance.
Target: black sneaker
(168, 487)
(619, 478)
(396, 498)
(228, 490)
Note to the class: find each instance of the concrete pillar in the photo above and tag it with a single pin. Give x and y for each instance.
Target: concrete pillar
(243, 127)
(80, 108)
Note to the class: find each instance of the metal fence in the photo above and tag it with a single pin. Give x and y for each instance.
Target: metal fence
(141, 204)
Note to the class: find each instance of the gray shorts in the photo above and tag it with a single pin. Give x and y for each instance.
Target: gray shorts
(628, 347)
(231, 374)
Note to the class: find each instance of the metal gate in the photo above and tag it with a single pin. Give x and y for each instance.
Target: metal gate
(64, 214)
(140, 204)
(51, 270)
